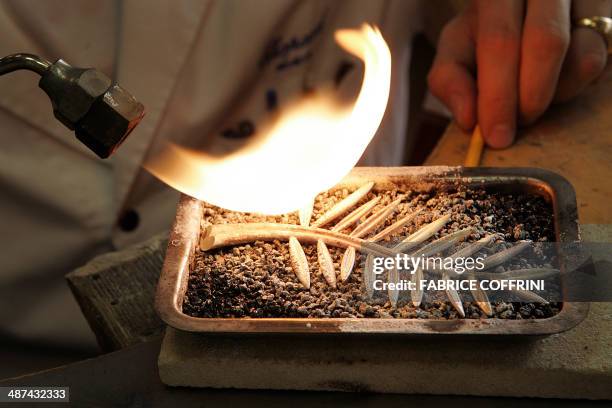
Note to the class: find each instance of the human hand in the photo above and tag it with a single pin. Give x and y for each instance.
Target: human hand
(504, 62)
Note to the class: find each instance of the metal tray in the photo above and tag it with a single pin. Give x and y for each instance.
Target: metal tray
(184, 239)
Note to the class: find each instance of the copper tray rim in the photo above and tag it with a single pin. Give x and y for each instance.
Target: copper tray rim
(184, 237)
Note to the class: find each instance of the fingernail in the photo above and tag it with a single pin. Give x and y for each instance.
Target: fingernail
(501, 136)
(456, 105)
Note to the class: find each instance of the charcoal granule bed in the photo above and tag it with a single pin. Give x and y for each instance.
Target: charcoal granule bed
(256, 280)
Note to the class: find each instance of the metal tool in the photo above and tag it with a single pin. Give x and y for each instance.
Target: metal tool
(101, 113)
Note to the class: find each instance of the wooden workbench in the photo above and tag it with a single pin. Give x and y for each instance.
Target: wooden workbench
(573, 139)
(128, 378)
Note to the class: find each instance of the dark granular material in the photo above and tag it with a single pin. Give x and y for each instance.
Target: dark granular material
(257, 280)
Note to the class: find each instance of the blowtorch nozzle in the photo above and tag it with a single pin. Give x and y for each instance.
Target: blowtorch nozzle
(101, 113)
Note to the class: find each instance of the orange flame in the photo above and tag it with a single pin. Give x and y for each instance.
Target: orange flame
(309, 149)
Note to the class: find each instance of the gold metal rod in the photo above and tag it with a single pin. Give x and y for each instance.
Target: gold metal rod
(474, 153)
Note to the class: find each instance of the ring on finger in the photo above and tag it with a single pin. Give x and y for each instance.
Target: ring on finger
(602, 25)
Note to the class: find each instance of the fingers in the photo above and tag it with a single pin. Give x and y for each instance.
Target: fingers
(587, 55)
(450, 78)
(498, 49)
(546, 37)
(524, 59)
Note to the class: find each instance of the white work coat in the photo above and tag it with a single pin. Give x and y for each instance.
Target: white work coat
(200, 68)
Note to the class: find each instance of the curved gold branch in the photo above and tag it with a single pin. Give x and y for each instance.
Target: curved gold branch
(220, 235)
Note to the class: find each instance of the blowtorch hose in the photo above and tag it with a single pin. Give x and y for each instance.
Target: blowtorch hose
(28, 62)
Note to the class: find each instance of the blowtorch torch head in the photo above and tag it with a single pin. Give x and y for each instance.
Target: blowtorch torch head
(102, 114)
